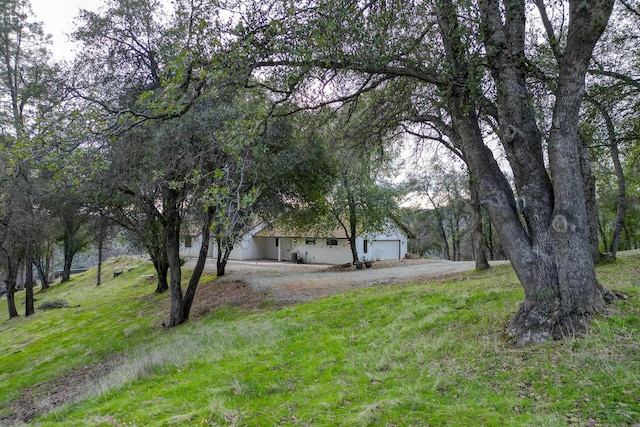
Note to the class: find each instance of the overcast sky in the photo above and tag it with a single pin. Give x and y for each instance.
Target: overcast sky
(57, 16)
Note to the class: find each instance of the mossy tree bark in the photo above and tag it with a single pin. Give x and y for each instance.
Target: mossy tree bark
(200, 263)
(552, 255)
(29, 307)
(181, 302)
(12, 267)
(477, 234)
(172, 221)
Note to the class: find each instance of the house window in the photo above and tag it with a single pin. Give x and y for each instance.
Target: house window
(310, 241)
(277, 242)
(366, 246)
(187, 241)
(332, 242)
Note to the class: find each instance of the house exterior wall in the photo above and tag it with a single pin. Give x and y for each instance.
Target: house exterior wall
(190, 246)
(266, 247)
(321, 253)
(286, 249)
(390, 244)
(244, 249)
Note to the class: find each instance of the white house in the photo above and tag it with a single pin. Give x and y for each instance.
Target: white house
(271, 242)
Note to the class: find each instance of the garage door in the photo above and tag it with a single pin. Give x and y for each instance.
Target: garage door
(385, 249)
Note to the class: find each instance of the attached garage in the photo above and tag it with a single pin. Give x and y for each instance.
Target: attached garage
(386, 249)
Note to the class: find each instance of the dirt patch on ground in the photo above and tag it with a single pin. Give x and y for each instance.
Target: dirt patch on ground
(53, 394)
(218, 293)
(214, 295)
(306, 285)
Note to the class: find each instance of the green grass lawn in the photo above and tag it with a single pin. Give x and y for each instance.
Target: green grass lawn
(419, 354)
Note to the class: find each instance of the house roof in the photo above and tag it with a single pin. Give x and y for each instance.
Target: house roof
(278, 230)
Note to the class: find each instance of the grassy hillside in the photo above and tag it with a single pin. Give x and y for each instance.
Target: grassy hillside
(415, 354)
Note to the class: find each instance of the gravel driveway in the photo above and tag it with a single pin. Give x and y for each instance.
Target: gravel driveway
(288, 282)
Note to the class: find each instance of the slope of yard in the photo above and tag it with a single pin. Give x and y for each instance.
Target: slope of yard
(410, 354)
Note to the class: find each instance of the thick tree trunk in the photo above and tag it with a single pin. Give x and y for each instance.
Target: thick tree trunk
(29, 307)
(11, 297)
(553, 259)
(223, 256)
(602, 233)
(630, 237)
(350, 232)
(589, 183)
(10, 283)
(75, 238)
(619, 172)
(199, 268)
(161, 265)
(488, 241)
(455, 246)
(221, 264)
(622, 190)
(456, 240)
(354, 248)
(66, 267)
(99, 276)
(477, 235)
(101, 236)
(42, 275)
(47, 269)
(446, 253)
(526, 244)
(157, 250)
(152, 235)
(353, 227)
(172, 232)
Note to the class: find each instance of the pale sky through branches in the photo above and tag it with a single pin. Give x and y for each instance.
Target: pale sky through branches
(57, 17)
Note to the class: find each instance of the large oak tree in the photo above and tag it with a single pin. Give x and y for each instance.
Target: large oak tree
(184, 138)
(473, 57)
